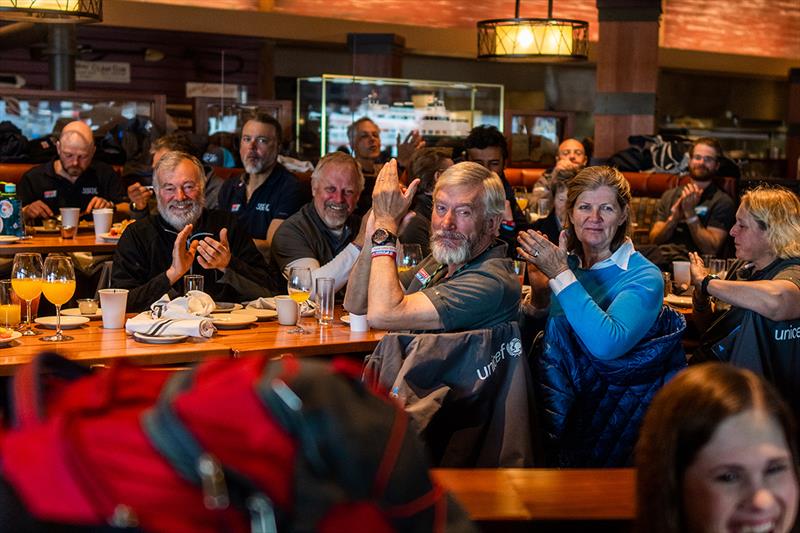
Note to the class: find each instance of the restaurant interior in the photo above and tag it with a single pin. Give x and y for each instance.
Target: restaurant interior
(680, 69)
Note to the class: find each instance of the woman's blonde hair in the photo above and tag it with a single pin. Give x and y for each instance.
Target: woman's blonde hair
(776, 210)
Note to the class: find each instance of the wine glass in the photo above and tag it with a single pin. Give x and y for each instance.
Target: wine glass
(299, 290)
(521, 194)
(409, 257)
(26, 280)
(58, 286)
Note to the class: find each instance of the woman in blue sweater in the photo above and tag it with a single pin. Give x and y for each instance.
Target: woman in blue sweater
(609, 345)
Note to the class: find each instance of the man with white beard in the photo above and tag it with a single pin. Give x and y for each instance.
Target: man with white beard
(266, 194)
(325, 235)
(466, 283)
(155, 253)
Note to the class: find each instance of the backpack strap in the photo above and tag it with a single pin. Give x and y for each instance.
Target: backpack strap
(29, 384)
(221, 485)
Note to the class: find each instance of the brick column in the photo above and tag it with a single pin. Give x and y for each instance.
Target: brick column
(627, 72)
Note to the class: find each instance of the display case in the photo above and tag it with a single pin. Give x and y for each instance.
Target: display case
(443, 112)
(534, 136)
(40, 113)
(215, 115)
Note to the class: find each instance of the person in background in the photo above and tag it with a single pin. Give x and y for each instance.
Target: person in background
(325, 235)
(606, 325)
(154, 254)
(762, 289)
(365, 142)
(74, 179)
(717, 452)
(486, 146)
(427, 165)
(695, 217)
(143, 202)
(266, 194)
(466, 283)
(552, 225)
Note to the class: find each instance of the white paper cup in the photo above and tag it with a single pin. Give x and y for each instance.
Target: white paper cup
(358, 323)
(102, 220)
(113, 302)
(287, 310)
(680, 273)
(70, 216)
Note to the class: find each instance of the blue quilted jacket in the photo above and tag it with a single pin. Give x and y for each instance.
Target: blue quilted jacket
(592, 408)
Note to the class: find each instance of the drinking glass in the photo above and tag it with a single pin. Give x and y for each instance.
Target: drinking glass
(521, 194)
(410, 255)
(519, 270)
(299, 290)
(26, 280)
(10, 311)
(58, 286)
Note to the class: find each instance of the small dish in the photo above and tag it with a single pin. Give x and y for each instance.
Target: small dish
(678, 301)
(345, 319)
(109, 237)
(74, 311)
(8, 239)
(6, 340)
(261, 314)
(67, 322)
(232, 320)
(226, 307)
(159, 339)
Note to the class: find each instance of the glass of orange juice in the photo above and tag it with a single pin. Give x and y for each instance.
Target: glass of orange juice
(299, 287)
(58, 286)
(10, 310)
(26, 280)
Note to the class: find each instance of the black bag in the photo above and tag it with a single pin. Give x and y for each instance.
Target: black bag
(13, 144)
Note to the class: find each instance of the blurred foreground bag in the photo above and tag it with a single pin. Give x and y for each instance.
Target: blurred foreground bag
(230, 446)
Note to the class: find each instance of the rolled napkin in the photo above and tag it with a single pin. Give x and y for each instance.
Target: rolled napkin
(307, 308)
(160, 327)
(193, 305)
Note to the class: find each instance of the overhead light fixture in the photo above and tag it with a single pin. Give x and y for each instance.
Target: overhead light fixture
(533, 39)
(52, 11)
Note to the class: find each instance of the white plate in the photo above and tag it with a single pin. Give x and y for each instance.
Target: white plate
(14, 335)
(261, 314)
(108, 237)
(42, 229)
(159, 339)
(678, 301)
(226, 307)
(77, 312)
(8, 239)
(345, 319)
(232, 320)
(67, 322)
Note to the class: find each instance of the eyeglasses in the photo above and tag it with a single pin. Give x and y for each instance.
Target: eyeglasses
(261, 141)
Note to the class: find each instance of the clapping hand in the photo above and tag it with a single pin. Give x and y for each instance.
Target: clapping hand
(212, 253)
(182, 257)
(546, 256)
(390, 202)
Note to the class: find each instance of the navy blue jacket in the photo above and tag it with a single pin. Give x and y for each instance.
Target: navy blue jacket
(592, 408)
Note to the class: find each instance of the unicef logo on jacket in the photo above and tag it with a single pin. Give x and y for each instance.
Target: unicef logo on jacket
(513, 348)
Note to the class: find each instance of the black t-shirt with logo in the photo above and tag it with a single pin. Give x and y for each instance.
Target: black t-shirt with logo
(43, 183)
(277, 198)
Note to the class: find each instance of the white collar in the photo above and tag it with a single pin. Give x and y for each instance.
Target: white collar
(619, 258)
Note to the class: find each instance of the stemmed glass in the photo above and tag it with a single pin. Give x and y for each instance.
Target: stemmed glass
(409, 257)
(521, 194)
(26, 280)
(299, 290)
(58, 286)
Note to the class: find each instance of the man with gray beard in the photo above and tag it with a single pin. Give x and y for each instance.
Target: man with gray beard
(324, 235)
(266, 194)
(466, 283)
(155, 253)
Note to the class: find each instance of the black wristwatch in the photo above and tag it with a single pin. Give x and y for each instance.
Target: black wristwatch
(705, 282)
(382, 237)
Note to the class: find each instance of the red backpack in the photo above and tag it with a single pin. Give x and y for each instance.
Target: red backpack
(231, 445)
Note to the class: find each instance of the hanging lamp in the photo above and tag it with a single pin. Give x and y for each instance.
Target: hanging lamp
(52, 11)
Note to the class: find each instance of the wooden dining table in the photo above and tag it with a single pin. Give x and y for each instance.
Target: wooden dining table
(46, 243)
(94, 345)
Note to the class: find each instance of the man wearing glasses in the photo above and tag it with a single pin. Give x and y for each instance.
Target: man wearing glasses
(695, 217)
(266, 194)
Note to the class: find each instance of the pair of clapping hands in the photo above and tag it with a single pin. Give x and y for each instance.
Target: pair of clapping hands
(210, 253)
(545, 259)
(390, 200)
(683, 208)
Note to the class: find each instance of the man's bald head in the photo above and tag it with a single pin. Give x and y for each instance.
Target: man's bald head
(75, 148)
(571, 155)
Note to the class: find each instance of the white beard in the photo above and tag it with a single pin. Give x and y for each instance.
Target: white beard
(179, 220)
(447, 255)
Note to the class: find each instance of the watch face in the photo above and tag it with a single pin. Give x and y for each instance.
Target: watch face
(380, 236)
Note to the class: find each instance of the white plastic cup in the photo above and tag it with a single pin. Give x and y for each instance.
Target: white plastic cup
(102, 220)
(324, 294)
(113, 302)
(358, 323)
(287, 310)
(680, 273)
(70, 216)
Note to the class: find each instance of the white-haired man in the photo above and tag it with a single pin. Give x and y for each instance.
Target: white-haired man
(155, 253)
(466, 283)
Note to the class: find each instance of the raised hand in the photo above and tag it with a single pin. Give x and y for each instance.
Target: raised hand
(214, 254)
(390, 202)
(182, 258)
(546, 256)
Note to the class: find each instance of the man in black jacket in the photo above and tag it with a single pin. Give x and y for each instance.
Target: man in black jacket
(155, 253)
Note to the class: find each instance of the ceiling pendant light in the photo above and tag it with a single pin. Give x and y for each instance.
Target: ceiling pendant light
(531, 39)
(52, 11)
